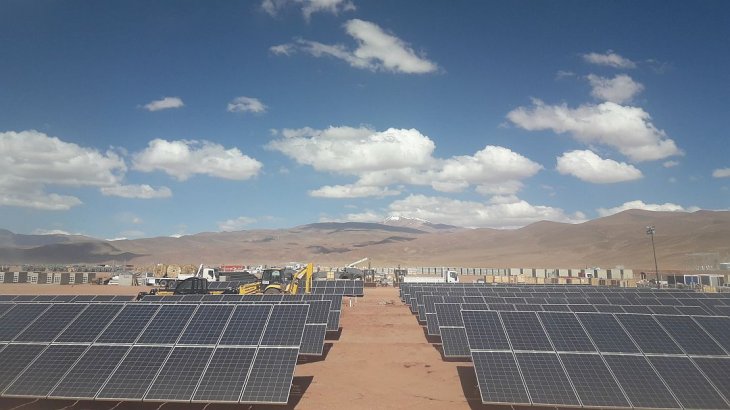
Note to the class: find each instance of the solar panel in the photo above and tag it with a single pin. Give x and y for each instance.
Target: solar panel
(484, 330)
(271, 375)
(318, 311)
(50, 323)
(135, 373)
(449, 314)
(689, 335)
(687, 383)
(545, 379)
(129, 323)
(454, 342)
(566, 332)
(718, 328)
(14, 359)
(285, 326)
(17, 318)
(313, 339)
(87, 376)
(41, 376)
(207, 324)
(333, 321)
(524, 331)
(225, 376)
(4, 307)
(167, 325)
(432, 324)
(180, 375)
(246, 325)
(717, 370)
(499, 378)
(607, 333)
(640, 383)
(90, 323)
(647, 333)
(593, 381)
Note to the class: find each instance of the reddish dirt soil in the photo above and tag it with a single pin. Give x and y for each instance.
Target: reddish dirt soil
(381, 359)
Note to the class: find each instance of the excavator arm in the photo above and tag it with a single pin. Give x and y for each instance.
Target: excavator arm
(301, 278)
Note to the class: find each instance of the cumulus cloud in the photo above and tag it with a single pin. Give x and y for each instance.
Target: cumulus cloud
(399, 156)
(164, 104)
(352, 191)
(377, 50)
(351, 150)
(41, 231)
(670, 164)
(627, 129)
(610, 59)
(589, 167)
(34, 161)
(236, 224)
(143, 191)
(182, 159)
(247, 104)
(309, 7)
(666, 207)
(504, 214)
(721, 173)
(619, 89)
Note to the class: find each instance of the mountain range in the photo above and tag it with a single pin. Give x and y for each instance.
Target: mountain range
(683, 241)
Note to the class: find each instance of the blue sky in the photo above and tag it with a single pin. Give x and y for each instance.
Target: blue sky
(136, 119)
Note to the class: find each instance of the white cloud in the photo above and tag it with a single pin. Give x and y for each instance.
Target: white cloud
(628, 129)
(670, 164)
(721, 173)
(283, 49)
(619, 89)
(587, 166)
(509, 214)
(137, 191)
(377, 50)
(399, 156)
(40, 231)
(487, 167)
(33, 161)
(350, 150)
(367, 216)
(164, 104)
(183, 159)
(667, 207)
(351, 191)
(609, 58)
(247, 104)
(309, 7)
(236, 224)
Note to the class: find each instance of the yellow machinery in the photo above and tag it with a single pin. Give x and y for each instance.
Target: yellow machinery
(276, 280)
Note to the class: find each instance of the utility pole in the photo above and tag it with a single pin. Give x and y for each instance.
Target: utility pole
(650, 230)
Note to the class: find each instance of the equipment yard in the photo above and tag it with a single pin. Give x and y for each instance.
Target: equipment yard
(383, 358)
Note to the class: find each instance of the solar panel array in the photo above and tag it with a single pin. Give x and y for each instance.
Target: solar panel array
(345, 287)
(237, 353)
(65, 298)
(589, 347)
(333, 317)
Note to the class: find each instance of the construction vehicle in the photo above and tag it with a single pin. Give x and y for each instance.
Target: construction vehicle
(198, 286)
(447, 276)
(351, 272)
(283, 280)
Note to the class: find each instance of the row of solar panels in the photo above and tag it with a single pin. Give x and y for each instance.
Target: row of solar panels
(592, 359)
(333, 321)
(344, 287)
(65, 298)
(416, 301)
(572, 355)
(586, 289)
(449, 325)
(224, 353)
